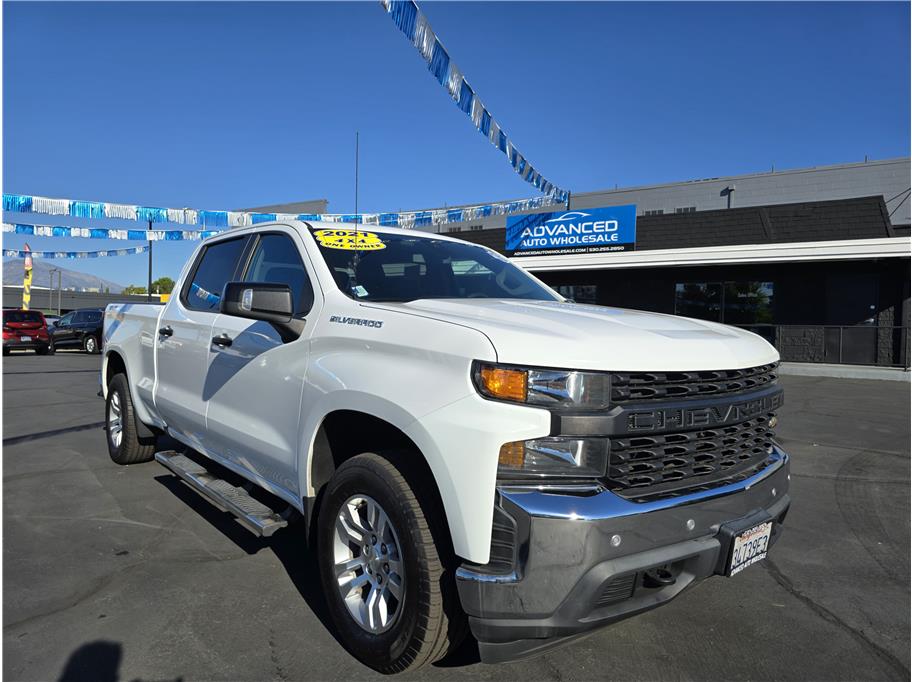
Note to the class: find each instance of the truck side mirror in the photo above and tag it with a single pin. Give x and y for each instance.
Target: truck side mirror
(269, 302)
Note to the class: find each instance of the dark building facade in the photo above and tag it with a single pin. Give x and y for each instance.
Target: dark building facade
(824, 281)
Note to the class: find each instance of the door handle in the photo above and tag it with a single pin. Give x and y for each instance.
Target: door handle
(222, 340)
(165, 331)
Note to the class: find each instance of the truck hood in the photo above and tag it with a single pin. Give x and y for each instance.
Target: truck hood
(571, 335)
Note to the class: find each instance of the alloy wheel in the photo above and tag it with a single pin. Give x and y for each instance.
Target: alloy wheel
(368, 564)
(115, 420)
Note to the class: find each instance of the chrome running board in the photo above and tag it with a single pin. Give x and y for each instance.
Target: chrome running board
(251, 513)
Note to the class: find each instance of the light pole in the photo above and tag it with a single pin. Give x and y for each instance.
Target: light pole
(51, 289)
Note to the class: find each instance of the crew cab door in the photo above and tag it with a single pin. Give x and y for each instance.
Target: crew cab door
(255, 381)
(184, 335)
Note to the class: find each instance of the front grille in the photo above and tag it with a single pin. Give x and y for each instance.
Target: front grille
(639, 386)
(644, 468)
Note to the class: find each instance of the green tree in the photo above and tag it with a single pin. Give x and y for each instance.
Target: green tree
(163, 285)
(134, 289)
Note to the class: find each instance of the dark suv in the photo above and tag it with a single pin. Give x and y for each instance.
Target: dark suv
(80, 328)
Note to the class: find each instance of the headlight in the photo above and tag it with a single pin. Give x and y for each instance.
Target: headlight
(554, 457)
(555, 388)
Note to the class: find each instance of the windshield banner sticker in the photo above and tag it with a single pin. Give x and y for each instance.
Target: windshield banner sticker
(589, 230)
(349, 240)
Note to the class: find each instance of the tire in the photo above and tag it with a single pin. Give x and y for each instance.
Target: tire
(41, 350)
(6, 351)
(428, 622)
(90, 345)
(124, 444)
(51, 347)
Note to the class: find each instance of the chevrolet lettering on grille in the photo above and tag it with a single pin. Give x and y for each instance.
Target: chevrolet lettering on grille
(695, 417)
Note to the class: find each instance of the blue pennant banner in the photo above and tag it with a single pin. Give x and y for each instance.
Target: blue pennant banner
(214, 221)
(412, 22)
(16, 253)
(107, 233)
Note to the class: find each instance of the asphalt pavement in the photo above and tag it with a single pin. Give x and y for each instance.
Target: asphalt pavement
(124, 573)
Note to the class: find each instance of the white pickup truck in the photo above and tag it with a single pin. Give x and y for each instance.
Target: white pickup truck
(462, 447)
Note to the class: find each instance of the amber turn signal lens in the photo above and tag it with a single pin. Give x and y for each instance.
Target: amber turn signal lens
(512, 455)
(507, 384)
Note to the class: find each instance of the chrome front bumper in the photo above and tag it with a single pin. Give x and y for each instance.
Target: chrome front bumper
(574, 549)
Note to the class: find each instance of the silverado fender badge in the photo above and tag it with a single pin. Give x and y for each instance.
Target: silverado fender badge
(360, 321)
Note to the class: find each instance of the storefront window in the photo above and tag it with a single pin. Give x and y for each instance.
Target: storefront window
(581, 293)
(702, 300)
(748, 303)
(738, 303)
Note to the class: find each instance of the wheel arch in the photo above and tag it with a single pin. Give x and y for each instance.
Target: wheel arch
(345, 433)
(113, 363)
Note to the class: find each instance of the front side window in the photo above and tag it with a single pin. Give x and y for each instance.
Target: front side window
(276, 260)
(407, 268)
(66, 319)
(214, 270)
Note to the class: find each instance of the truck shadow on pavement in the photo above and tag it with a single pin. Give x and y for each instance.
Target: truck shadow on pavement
(97, 661)
(289, 547)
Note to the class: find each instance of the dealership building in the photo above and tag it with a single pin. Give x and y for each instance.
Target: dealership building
(816, 260)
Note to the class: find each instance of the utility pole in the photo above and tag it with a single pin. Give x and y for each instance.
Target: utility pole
(59, 287)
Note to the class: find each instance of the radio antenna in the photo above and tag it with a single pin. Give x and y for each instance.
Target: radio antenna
(357, 217)
(357, 257)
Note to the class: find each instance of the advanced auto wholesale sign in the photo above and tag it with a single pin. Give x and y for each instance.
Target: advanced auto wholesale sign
(590, 230)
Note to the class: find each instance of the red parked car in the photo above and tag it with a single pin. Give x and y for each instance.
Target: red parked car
(25, 329)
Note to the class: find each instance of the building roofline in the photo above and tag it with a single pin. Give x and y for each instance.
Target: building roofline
(743, 176)
(697, 181)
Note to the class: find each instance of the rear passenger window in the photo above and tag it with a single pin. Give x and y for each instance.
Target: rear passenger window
(213, 271)
(276, 260)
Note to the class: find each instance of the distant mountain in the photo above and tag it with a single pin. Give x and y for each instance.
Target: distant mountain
(14, 269)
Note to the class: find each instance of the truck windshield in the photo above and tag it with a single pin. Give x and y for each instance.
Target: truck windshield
(376, 266)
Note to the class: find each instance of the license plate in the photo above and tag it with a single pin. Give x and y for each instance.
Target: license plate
(25, 338)
(749, 547)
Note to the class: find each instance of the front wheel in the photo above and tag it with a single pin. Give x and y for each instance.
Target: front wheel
(384, 570)
(124, 444)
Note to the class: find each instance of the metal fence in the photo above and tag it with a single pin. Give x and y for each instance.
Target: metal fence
(849, 345)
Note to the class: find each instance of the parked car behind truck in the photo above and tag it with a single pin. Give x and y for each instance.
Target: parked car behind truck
(79, 329)
(460, 445)
(24, 330)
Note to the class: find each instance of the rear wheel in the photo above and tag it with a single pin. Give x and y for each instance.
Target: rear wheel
(124, 444)
(384, 569)
(41, 350)
(90, 344)
(6, 351)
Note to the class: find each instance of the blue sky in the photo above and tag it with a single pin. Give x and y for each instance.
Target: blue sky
(222, 105)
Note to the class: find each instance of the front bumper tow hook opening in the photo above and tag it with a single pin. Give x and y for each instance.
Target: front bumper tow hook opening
(658, 577)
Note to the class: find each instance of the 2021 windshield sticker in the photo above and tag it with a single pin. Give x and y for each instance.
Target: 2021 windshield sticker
(349, 240)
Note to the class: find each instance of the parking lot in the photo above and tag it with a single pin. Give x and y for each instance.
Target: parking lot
(124, 573)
